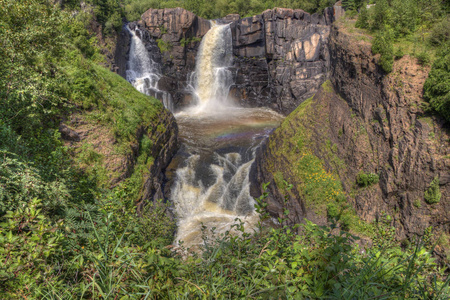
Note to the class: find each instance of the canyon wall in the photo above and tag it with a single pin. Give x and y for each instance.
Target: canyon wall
(281, 57)
(362, 120)
(365, 121)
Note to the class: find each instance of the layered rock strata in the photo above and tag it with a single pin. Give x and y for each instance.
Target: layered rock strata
(367, 122)
(281, 57)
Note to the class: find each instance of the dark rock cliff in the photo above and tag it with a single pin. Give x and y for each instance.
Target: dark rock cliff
(372, 122)
(281, 56)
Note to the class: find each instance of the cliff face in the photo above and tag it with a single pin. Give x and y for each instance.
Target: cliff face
(372, 122)
(281, 56)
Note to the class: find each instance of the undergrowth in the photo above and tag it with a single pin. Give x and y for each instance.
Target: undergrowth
(118, 261)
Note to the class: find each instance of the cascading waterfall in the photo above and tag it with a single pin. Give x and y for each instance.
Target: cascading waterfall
(211, 185)
(212, 79)
(143, 73)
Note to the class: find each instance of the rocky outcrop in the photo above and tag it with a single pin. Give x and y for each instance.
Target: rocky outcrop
(94, 148)
(281, 55)
(165, 145)
(178, 33)
(367, 122)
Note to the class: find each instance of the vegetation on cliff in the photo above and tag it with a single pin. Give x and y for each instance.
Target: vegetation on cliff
(419, 28)
(213, 9)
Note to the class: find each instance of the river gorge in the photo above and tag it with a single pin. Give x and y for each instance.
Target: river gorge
(230, 82)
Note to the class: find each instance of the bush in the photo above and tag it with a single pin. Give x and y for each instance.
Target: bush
(423, 58)
(440, 34)
(437, 86)
(32, 250)
(363, 19)
(367, 179)
(433, 194)
(164, 46)
(383, 45)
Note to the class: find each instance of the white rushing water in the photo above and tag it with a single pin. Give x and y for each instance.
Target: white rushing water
(212, 79)
(143, 73)
(211, 187)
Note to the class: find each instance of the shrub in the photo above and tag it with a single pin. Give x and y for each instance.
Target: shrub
(164, 46)
(437, 86)
(31, 252)
(423, 58)
(399, 53)
(433, 194)
(383, 45)
(363, 19)
(367, 179)
(20, 182)
(440, 34)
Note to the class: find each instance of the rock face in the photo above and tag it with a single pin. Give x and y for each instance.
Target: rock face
(281, 56)
(178, 33)
(165, 146)
(372, 122)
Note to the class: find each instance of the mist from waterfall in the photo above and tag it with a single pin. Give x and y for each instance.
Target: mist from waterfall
(142, 72)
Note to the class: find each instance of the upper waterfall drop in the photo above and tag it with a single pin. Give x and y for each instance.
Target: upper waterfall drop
(213, 78)
(142, 72)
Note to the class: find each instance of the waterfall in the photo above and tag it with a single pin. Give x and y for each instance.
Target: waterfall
(143, 73)
(210, 186)
(211, 81)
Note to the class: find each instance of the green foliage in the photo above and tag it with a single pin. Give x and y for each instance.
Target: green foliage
(404, 17)
(32, 89)
(61, 237)
(423, 58)
(213, 9)
(352, 5)
(109, 13)
(164, 46)
(363, 19)
(367, 179)
(186, 41)
(440, 34)
(383, 45)
(437, 85)
(424, 24)
(417, 203)
(433, 194)
(19, 183)
(31, 250)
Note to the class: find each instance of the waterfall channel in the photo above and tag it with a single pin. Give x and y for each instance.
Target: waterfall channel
(142, 72)
(209, 175)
